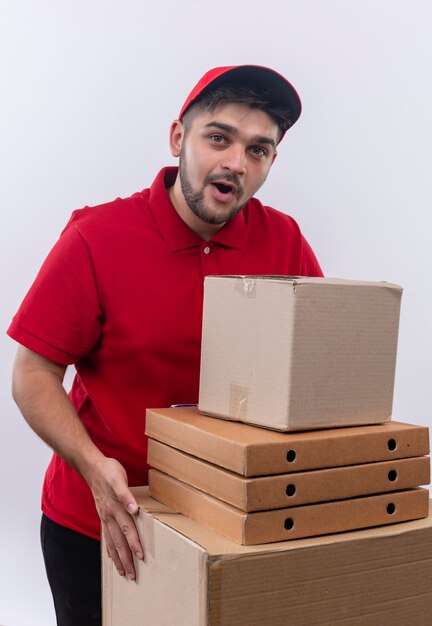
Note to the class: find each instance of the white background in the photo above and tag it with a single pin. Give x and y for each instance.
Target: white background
(88, 90)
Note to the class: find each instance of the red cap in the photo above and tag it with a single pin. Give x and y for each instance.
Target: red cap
(277, 88)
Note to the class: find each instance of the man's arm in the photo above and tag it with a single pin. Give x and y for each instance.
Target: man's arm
(39, 393)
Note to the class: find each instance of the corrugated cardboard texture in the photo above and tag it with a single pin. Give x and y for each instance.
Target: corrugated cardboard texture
(375, 577)
(283, 490)
(288, 523)
(296, 354)
(374, 584)
(171, 586)
(252, 451)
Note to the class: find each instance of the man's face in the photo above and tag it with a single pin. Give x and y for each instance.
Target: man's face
(225, 157)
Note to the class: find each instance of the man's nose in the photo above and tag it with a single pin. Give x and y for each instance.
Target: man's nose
(235, 159)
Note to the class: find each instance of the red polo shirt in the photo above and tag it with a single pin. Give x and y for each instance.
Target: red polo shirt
(120, 297)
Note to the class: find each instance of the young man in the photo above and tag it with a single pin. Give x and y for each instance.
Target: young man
(120, 297)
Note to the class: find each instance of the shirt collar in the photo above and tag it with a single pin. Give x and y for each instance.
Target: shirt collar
(175, 231)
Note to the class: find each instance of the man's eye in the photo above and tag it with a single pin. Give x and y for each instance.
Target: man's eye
(258, 151)
(217, 138)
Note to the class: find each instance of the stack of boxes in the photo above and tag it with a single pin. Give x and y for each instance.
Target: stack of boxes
(308, 366)
(301, 372)
(256, 486)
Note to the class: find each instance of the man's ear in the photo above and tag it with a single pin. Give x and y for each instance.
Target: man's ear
(274, 156)
(176, 137)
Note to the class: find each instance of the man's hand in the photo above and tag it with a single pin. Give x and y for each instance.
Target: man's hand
(39, 393)
(116, 507)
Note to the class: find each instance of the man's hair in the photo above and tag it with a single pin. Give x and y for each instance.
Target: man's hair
(241, 94)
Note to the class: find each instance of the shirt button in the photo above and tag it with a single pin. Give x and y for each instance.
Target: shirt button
(207, 250)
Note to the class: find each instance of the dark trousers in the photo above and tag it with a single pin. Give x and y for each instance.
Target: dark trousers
(73, 566)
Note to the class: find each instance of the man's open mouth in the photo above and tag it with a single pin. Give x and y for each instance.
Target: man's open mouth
(224, 188)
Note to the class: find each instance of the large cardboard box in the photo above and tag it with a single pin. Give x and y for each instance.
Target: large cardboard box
(292, 522)
(252, 451)
(284, 490)
(298, 353)
(192, 576)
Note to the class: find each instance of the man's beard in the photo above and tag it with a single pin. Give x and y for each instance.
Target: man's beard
(195, 199)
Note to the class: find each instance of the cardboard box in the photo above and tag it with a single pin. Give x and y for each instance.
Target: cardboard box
(288, 523)
(252, 451)
(284, 490)
(192, 576)
(298, 353)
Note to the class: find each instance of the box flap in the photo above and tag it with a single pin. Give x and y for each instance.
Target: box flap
(302, 280)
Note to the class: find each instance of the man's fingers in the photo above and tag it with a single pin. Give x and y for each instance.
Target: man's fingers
(127, 525)
(119, 536)
(129, 530)
(112, 551)
(132, 508)
(116, 507)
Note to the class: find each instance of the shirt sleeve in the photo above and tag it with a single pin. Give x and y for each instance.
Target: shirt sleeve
(309, 262)
(60, 318)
